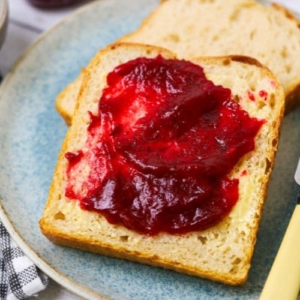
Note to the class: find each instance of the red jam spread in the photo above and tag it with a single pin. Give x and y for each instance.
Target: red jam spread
(251, 95)
(263, 94)
(159, 151)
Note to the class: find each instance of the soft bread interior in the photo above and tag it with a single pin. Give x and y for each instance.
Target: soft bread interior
(221, 253)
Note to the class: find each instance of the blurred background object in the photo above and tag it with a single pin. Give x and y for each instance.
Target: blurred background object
(53, 3)
(3, 23)
(3, 20)
(26, 22)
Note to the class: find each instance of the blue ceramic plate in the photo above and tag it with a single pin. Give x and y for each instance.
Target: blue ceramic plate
(31, 133)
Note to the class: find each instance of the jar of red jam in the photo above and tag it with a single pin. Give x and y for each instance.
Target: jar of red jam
(53, 3)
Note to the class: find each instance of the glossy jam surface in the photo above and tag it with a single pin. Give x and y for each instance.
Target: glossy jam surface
(160, 149)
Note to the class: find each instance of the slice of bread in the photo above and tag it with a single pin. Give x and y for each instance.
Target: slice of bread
(66, 100)
(222, 252)
(192, 28)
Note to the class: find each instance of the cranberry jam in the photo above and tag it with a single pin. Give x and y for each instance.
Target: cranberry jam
(160, 149)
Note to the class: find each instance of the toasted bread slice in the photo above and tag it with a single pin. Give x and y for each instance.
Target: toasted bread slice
(193, 28)
(222, 252)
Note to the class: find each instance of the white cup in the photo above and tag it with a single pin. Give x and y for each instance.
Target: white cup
(3, 20)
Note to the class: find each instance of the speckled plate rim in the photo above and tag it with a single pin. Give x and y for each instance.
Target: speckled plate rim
(63, 280)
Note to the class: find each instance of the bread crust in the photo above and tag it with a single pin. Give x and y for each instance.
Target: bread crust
(64, 223)
(153, 260)
(286, 12)
(293, 94)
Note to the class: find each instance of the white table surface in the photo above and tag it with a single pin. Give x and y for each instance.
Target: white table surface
(26, 23)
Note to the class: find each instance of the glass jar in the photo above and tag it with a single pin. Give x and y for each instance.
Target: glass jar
(52, 3)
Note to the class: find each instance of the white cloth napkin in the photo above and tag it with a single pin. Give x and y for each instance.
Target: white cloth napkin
(19, 278)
